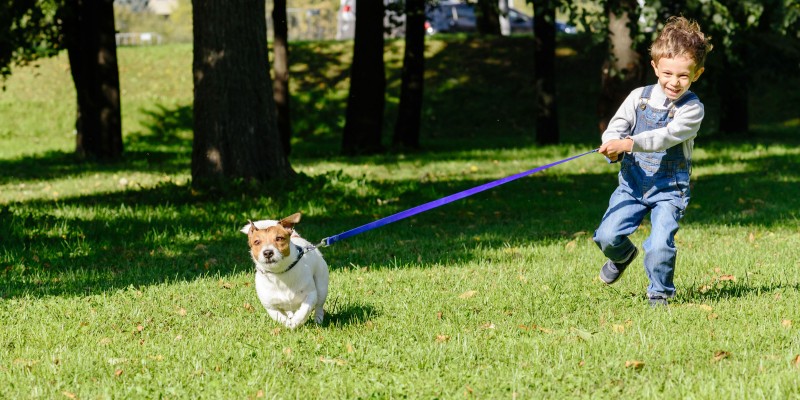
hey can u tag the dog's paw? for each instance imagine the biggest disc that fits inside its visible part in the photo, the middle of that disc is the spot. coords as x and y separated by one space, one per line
319 317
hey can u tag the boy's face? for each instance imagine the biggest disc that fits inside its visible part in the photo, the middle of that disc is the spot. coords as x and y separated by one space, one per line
675 75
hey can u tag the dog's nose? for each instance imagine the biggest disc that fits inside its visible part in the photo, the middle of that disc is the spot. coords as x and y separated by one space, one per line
268 253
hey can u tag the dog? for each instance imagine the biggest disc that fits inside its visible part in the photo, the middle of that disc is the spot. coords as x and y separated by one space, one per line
291 275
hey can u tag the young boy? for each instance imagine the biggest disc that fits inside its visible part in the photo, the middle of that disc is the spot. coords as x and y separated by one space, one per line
652 134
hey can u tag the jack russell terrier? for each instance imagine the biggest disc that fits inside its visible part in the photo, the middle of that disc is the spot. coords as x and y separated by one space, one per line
291 275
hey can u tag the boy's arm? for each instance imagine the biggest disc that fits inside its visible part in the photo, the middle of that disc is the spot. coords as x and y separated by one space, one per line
620 127
682 128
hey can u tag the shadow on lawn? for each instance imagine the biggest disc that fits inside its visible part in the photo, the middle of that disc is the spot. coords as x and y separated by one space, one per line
171 232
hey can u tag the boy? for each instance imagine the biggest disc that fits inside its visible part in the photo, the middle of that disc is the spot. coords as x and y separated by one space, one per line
652 134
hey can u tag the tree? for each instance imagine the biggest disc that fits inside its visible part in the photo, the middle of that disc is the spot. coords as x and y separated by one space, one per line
235 132
487 15
407 126
365 101
34 29
29 30
280 64
544 32
624 68
89 36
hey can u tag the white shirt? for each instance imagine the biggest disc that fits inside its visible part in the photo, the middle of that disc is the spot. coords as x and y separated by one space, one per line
681 130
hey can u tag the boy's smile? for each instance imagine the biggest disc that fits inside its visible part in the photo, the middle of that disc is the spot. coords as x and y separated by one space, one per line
676 75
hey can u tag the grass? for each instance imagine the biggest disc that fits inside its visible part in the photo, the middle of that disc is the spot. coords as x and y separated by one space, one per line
119 281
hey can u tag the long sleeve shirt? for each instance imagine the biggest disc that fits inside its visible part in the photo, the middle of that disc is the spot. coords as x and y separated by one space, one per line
681 130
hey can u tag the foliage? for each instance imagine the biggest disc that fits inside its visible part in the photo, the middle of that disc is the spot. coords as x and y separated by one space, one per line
29 30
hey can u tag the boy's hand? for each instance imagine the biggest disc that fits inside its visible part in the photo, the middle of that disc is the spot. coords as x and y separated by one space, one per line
613 148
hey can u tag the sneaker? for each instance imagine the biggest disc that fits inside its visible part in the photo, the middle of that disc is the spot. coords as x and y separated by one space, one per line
657 302
611 271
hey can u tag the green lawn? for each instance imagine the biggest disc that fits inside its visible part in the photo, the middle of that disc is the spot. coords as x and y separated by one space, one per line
120 281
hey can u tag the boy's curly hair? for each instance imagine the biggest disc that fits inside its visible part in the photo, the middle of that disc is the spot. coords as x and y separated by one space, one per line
681 37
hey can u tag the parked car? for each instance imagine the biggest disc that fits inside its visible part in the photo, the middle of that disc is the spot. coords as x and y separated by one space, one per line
455 16
394 19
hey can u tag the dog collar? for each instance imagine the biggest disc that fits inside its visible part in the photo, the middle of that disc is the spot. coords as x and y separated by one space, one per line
300 254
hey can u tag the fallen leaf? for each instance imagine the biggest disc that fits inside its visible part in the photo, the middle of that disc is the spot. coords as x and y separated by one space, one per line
69 394
712 316
721 355
337 361
276 331
582 363
706 307
260 394
796 361
582 334
751 238
618 328
118 372
787 323
182 312
350 348
727 278
439 315
287 351
635 364
487 325
442 338
249 307
468 294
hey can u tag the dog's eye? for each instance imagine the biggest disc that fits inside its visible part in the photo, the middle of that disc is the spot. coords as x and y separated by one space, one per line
279 238
256 242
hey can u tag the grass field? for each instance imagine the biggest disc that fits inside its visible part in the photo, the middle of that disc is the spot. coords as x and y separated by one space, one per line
120 281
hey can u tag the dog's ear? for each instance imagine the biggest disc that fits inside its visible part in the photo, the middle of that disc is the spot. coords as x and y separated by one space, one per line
290 221
251 227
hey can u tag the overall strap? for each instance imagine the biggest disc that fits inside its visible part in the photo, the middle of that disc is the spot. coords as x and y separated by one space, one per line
648 90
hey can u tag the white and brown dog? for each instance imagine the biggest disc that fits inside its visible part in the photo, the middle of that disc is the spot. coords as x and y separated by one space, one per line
291 275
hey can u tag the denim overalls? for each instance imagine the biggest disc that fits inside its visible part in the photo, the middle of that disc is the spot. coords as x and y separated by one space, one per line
649 182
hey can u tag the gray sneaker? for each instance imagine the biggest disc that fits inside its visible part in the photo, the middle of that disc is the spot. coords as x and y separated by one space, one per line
611 271
657 302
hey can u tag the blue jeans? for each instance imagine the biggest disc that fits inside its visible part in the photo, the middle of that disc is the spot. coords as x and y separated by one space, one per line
661 188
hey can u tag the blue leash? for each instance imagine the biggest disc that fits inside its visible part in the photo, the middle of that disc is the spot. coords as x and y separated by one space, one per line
440 202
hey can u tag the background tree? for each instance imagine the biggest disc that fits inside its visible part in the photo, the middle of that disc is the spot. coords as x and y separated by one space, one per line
41 28
545 108
235 132
409 113
750 38
487 15
29 30
89 37
280 65
625 67
365 101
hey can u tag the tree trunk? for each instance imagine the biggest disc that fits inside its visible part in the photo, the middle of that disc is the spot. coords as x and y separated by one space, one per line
406 130
365 102
92 51
733 108
235 132
544 31
623 69
281 67
487 17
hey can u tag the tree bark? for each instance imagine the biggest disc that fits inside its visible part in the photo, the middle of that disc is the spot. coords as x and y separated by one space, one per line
623 69
235 129
280 65
365 101
487 17
409 115
546 110
91 47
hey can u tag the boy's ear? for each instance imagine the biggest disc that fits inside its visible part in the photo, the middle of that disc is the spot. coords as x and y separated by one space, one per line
698 73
